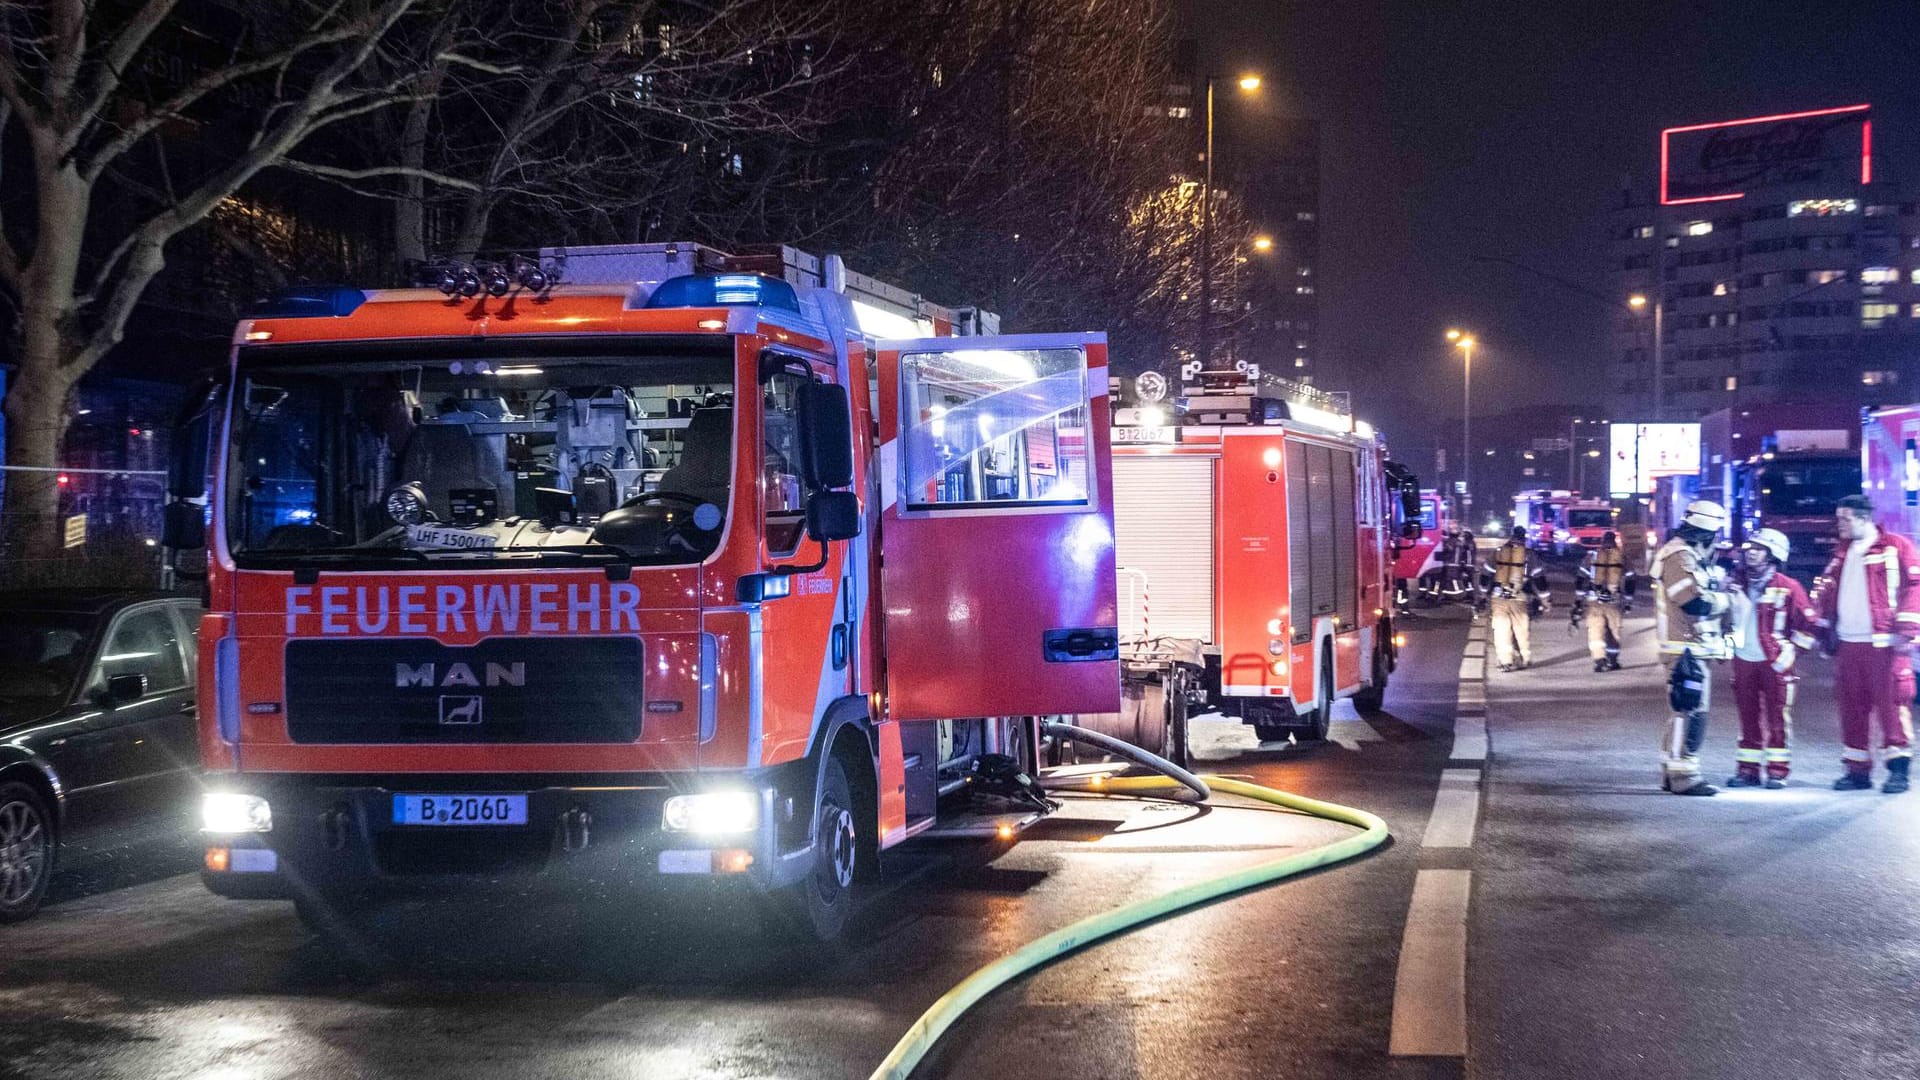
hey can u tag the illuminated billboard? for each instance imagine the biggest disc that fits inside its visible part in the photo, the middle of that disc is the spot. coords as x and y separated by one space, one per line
1640 453
1715 162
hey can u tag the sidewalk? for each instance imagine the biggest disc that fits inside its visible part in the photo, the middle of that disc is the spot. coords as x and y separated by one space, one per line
1619 931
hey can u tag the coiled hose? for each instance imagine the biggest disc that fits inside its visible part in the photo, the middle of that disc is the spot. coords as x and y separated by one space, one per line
942 1014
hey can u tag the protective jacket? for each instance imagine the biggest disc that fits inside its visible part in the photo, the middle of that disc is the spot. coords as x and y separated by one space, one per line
1893 589
1686 608
1511 573
1783 616
1605 575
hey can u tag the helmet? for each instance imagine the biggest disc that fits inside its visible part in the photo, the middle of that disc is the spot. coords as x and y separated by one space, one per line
1705 515
1773 540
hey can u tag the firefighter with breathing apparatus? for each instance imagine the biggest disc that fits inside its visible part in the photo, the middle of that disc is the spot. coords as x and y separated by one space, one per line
1516 590
1603 592
1772 623
1689 604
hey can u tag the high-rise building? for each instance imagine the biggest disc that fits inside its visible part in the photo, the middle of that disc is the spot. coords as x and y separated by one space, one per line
1275 165
1776 265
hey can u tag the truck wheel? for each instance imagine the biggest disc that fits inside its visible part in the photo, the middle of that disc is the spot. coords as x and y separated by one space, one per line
1175 748
1371 699
818 906
1313 726
26 851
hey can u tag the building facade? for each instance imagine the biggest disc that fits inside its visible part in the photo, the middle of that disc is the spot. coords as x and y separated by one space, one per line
1789 274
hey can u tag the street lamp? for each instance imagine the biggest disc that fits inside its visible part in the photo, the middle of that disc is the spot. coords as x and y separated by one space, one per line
1263 243
1464 342
1248 84
1638 302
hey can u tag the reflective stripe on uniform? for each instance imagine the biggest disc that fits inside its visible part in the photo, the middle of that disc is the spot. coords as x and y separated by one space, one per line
1785 660
1802 639
1779 754
1748 757
1854 753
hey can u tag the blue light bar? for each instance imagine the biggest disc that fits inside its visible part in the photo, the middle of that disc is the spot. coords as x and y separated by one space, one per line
309 302
724 290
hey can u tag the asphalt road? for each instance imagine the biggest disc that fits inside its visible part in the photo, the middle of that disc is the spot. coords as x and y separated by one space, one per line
156 979
1619 931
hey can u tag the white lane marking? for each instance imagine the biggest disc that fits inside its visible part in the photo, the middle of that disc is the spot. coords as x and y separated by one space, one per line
1456 807
1473 669
1476 649
1430 987
1469 738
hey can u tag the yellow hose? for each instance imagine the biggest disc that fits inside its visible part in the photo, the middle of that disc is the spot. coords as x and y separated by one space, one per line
941 1015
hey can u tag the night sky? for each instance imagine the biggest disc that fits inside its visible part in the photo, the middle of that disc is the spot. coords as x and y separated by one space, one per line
1454 129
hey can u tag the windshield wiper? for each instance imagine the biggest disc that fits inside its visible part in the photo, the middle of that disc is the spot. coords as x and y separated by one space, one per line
335 554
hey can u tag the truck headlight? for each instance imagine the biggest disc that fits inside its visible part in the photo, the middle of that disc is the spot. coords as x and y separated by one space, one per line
712 812
230 812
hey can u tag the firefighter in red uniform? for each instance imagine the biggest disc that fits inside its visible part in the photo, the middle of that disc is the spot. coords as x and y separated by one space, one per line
1867 606
1772 624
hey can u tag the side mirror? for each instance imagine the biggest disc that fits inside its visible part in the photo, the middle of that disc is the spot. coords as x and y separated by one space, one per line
125 688
833 515
826 435
183 525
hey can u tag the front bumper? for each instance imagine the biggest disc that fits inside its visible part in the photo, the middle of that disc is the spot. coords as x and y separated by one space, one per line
335 837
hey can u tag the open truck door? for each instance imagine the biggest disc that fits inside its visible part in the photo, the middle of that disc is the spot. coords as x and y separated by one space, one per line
997 580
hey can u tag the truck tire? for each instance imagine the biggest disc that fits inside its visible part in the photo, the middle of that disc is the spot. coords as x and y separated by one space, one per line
1372 698
1313 726
27 845
1271 723
817 907
1175 746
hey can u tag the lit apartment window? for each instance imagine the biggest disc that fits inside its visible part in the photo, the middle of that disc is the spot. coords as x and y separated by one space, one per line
1879 275
1823 277
1699 228
1720 288
1304 271
1179 112
1303 290
1733 383
1879 378
1913 276
1299 361
1643 232
1874 314
1304 215
1822 207
1913 311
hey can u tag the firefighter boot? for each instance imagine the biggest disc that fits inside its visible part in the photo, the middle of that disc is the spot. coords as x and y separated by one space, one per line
1600 666
1747 776
1896 781
1853 781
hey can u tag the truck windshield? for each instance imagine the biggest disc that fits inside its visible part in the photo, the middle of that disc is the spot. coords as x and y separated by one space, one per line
1806 489
354 458
1589 519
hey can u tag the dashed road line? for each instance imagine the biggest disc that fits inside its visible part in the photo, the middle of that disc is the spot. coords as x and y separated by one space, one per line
1456 809
1430 988
1470 738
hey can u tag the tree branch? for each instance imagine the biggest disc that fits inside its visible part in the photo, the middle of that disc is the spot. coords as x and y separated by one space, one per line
376 172
113 65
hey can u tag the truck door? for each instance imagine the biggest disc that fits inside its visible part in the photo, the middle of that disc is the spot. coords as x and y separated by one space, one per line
996 535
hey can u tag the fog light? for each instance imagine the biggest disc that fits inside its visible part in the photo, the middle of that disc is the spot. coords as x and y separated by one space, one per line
732 861
217 859
1399 641
231 812
1279 667
712 812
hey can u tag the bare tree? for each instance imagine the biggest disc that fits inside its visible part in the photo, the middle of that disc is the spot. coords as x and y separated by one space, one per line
90 93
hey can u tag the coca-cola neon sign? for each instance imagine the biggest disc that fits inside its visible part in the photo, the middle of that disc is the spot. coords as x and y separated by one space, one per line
1721 161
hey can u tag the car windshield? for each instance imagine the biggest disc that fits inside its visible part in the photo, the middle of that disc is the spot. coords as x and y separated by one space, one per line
1808 489
354 458
41 654
1589 519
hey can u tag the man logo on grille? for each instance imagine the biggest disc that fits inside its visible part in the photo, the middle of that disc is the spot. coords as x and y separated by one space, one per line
460 708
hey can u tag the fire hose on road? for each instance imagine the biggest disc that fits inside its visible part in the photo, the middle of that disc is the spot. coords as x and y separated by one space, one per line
942 1014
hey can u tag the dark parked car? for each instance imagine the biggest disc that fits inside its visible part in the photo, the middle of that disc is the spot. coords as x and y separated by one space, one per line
97 727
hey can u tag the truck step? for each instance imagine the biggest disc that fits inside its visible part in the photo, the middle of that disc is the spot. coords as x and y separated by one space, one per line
979 825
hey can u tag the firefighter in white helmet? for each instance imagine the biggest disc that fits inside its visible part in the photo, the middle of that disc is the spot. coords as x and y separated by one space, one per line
1513 585
1689 603
1772 623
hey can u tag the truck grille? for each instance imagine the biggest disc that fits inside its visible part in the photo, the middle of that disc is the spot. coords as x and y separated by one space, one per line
505 690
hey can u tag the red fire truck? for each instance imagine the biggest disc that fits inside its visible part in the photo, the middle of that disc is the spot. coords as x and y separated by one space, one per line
668 571
1256 538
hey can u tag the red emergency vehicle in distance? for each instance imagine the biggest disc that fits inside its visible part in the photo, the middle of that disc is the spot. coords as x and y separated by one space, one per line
516 584
1587 520
1255 529
1417 564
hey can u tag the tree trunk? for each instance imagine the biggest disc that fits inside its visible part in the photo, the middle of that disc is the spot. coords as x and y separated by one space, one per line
37 418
